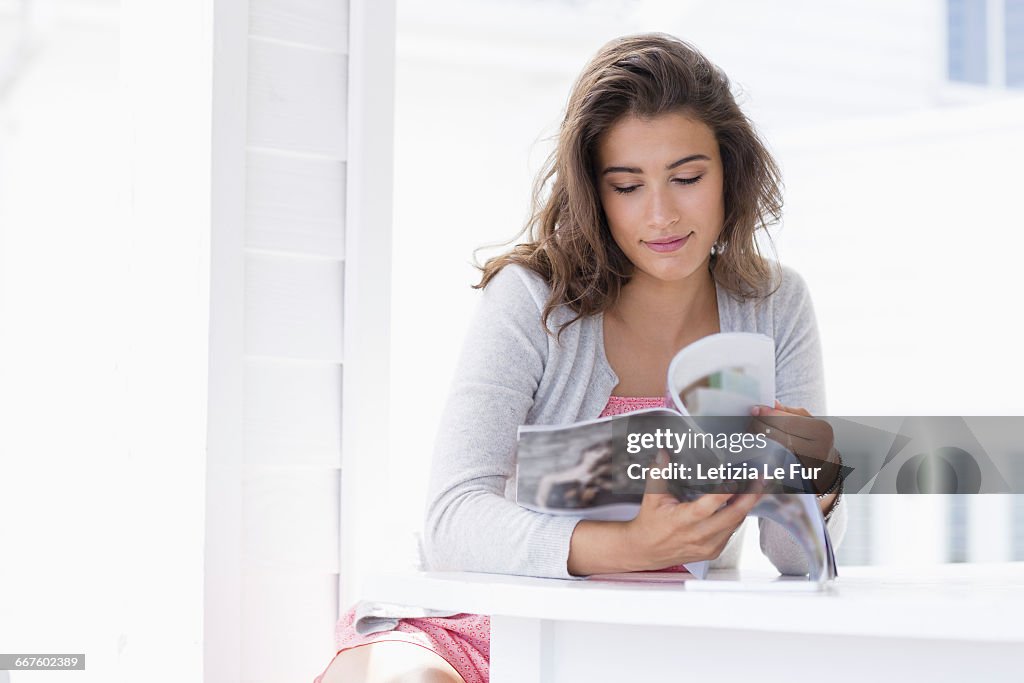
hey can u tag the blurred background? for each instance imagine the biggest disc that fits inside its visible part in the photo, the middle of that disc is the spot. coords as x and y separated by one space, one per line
63 255
899 128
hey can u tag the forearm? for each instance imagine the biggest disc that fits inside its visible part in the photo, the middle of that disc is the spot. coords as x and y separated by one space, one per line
480 531
599 548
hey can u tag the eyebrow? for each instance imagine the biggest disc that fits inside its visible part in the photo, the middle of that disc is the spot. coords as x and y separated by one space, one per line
674 164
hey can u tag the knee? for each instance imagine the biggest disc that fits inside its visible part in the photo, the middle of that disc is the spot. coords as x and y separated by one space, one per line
390 662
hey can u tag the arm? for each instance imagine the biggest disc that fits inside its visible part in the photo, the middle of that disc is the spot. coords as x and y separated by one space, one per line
470 525
799 382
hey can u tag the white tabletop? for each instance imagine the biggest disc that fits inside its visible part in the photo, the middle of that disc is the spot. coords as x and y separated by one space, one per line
975 602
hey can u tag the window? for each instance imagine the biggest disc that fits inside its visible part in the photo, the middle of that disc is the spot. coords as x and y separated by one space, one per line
1013 20
985 42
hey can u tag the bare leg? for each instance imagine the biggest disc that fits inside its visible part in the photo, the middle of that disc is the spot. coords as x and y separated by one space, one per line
390 661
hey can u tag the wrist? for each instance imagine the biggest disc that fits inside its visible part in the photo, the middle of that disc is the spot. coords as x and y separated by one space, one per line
827 503
629 549
600 547
833 472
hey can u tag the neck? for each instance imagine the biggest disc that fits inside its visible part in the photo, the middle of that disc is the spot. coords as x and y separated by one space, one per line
668 311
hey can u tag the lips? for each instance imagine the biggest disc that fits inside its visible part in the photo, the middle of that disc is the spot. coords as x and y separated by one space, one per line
667 244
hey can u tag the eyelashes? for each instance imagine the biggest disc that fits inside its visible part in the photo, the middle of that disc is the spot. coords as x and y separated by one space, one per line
631 188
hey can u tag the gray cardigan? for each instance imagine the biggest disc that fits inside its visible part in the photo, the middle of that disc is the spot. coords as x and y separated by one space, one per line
511 372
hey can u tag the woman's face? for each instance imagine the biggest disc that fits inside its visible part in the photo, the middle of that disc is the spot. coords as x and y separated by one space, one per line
660 181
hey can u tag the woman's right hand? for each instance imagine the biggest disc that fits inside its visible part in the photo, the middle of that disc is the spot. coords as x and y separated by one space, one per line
664 533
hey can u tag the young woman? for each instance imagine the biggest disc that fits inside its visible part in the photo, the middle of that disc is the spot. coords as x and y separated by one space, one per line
642 242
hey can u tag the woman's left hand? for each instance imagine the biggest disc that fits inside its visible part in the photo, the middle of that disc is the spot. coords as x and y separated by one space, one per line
810 439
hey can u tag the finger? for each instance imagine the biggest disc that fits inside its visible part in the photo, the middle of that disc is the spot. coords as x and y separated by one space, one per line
656 500
795 426
753 494
801 426
780 411
791 409
747 501
783 433
657 486
780 417
706 506
728 524
732 515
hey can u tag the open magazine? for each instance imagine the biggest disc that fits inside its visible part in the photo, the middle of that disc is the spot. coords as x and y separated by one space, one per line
589 469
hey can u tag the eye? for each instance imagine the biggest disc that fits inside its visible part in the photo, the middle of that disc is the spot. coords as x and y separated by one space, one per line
624 190
687 181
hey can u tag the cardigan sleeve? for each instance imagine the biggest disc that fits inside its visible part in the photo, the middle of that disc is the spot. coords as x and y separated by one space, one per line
800 383
469 524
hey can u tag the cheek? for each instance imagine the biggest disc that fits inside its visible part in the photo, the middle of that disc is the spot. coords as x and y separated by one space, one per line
711 205
629 214
616 212
613 207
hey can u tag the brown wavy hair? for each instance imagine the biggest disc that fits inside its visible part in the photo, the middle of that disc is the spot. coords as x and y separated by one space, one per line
569 243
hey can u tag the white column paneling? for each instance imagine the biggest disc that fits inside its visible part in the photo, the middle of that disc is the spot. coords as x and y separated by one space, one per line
293 307
275 437
368 224
297 98
222 645
287 625
292 413
290 520
295 204
319 23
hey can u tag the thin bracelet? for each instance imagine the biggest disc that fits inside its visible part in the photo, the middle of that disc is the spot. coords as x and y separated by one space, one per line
839 477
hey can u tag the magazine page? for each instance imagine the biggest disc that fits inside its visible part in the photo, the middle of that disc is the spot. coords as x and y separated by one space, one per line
575 470
723 374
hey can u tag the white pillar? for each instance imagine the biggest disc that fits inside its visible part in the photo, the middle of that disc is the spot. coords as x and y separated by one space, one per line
365 399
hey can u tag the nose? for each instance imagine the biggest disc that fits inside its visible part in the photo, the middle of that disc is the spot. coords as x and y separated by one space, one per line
661 212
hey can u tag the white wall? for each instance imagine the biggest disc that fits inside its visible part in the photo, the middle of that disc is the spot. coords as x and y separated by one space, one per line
66 446
905 228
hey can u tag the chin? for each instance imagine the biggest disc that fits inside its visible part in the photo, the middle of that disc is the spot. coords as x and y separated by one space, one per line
673 273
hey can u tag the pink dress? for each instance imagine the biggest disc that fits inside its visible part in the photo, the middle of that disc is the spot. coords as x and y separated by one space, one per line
462 640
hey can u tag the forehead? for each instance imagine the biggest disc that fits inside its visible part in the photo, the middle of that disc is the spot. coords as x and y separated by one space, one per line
667 137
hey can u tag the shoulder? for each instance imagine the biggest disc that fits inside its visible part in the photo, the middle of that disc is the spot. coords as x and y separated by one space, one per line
790 294
787 297
522 293
787 311
798 359
519 287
